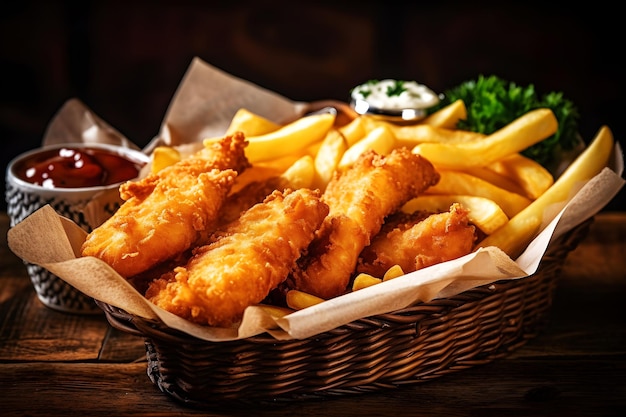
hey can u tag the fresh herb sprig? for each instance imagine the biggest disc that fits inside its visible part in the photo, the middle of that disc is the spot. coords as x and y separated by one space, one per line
396 89
492 103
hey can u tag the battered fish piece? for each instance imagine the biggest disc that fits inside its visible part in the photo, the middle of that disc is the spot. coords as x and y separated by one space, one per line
251 194
168 212
243 261
359 199
227 153
416 241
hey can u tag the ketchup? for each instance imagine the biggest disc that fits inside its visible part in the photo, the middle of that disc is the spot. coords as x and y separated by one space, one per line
76 167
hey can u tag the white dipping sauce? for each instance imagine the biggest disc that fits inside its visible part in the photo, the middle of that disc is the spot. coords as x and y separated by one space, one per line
394 95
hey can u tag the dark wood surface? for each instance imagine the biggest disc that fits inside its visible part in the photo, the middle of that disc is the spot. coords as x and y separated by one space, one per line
53 363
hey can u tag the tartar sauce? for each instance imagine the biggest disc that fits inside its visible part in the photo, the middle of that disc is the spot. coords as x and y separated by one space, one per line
394 96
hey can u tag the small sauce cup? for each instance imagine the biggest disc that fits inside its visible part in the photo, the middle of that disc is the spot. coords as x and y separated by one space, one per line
81 182
393 100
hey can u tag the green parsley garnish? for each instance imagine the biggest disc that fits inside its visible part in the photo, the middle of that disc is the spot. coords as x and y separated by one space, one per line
396 89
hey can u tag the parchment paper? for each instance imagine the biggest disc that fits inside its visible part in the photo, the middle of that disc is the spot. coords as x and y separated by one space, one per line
203 106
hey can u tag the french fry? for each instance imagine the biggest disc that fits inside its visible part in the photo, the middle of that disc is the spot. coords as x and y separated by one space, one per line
457 182
380 140
289 139
354 131
280 164
289 164
314 148
328 156
514 236
299 300
302 173
253 174
447 117
363 281
370 123
497 179
393 272
250 124
297 171
525 131
483 212
164 156
531 176
414 134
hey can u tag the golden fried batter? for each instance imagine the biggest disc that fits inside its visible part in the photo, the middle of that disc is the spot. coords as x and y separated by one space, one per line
166 213
251 194
416 241
243 261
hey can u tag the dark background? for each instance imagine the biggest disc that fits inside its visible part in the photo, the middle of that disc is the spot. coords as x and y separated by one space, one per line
125 59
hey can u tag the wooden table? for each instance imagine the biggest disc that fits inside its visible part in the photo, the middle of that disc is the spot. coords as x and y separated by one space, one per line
53 363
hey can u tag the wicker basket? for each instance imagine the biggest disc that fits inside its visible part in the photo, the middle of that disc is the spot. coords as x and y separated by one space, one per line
408 346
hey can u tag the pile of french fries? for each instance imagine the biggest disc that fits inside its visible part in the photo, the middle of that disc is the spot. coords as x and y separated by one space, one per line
505 192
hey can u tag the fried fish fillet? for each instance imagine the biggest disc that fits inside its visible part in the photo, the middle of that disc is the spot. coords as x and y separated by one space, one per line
170 211
359 199
243 261
418 240
249 195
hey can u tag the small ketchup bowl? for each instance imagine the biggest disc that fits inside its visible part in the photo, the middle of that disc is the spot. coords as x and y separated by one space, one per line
81 182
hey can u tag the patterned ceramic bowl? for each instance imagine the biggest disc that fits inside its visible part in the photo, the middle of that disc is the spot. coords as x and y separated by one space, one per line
81 182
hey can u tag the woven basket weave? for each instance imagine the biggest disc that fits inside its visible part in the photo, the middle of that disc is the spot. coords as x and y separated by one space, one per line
408 346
